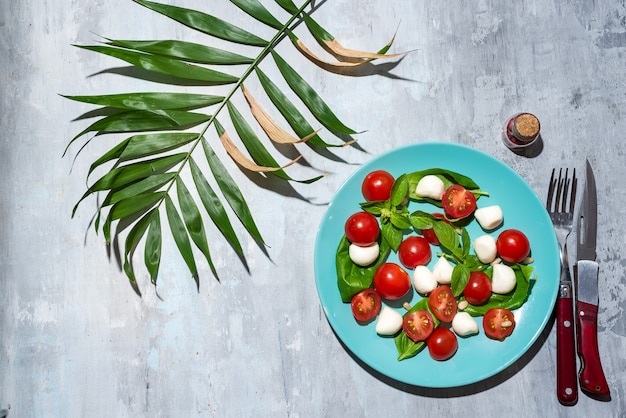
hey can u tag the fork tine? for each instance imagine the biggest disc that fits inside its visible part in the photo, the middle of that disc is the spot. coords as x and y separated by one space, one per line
559 190
565 191
550 192
572 200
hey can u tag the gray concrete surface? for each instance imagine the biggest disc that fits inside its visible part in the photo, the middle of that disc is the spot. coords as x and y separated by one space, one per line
76 341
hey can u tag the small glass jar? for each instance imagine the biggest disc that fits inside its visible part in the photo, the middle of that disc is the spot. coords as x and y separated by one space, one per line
521 130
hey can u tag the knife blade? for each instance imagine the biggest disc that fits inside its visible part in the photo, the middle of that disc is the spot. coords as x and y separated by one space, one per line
591 376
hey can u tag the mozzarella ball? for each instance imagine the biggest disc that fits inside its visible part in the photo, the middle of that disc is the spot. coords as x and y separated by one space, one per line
489 217
424 280
364 256
389 321
485 248
463 324
503 279
443 271
430 186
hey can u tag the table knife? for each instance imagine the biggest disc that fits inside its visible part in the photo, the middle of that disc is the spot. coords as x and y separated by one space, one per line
591 375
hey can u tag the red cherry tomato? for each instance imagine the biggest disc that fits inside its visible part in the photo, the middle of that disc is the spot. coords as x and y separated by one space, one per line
362 229
391 281
512 246
377 185
365 305
478 288
498 323
458 202
418 325
442 303
414 251
442 344
429 233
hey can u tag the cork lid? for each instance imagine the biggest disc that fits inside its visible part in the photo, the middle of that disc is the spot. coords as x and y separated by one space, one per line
526 127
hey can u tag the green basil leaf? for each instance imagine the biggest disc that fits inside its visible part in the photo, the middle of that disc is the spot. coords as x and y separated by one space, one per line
460 277
399 190
447 236
352 278
406 347
400 222
448 177
465 242
392 235
205 23
376 208
421 220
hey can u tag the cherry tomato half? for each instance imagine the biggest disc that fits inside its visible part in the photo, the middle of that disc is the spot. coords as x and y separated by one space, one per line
377 185
442 344
362 229
512 246
391 281
442 303
418 325
458 202
498 323
478 288
414 251
365 305
429 233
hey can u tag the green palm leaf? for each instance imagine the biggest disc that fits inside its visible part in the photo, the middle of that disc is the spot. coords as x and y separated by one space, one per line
152 250
145 169
167 66
205 23
151 101
186 51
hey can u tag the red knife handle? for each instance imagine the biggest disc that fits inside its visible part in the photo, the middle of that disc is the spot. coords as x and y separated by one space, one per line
591 375
566 383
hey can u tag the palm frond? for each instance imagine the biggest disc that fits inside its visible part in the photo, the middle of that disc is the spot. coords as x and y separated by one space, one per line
145 181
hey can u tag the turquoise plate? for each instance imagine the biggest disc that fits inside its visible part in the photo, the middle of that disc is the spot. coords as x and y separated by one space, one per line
478 357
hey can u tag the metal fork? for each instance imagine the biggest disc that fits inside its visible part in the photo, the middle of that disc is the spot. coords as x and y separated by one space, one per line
562 212
562 215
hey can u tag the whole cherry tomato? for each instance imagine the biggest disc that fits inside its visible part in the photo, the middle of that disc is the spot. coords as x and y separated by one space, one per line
362 229
414 251
377 185
512 246
391 281
478 288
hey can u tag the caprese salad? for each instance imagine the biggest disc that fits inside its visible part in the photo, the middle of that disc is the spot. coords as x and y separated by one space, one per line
488 276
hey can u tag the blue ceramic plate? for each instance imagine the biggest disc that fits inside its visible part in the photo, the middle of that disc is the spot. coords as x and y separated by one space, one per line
478 357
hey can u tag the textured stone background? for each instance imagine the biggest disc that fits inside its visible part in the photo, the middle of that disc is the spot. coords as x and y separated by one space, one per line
75 341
